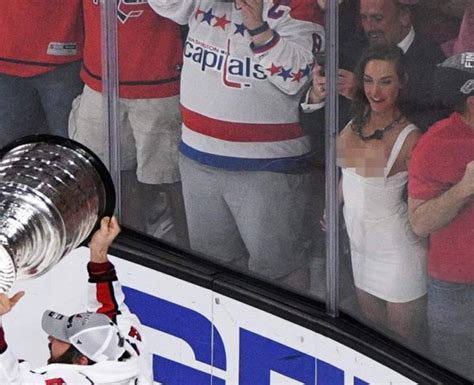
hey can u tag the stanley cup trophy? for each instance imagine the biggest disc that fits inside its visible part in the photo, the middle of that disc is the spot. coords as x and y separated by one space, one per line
53 193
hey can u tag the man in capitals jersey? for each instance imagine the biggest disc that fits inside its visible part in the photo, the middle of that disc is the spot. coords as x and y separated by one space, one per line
244 166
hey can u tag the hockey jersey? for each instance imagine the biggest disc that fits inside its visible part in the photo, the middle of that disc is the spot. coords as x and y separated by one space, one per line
240 102
105 296
150 52
38 36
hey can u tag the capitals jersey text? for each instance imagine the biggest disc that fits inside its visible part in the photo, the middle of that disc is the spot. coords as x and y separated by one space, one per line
240 102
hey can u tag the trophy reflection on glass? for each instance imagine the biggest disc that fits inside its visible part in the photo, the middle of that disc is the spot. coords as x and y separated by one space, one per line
53 192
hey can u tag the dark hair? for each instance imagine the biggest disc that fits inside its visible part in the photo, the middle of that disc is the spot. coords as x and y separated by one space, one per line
402 7
447 87
125 356
390 53
70 356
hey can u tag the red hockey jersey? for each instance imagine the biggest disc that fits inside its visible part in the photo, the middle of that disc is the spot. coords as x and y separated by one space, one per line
38 36
150 51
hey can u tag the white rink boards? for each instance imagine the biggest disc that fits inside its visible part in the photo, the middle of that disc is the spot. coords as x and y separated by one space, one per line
197 336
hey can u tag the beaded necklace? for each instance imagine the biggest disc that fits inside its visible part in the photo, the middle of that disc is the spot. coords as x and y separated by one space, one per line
379 133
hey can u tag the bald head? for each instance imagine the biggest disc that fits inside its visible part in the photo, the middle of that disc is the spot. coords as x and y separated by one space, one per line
384 21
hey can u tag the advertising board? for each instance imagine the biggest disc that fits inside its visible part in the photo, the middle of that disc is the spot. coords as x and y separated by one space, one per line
197 336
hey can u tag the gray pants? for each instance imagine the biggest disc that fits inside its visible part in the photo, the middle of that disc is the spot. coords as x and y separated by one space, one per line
265 219
451 321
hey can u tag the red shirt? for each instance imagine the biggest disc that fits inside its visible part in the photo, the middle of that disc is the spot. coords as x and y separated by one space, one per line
150 51
38 36
439 162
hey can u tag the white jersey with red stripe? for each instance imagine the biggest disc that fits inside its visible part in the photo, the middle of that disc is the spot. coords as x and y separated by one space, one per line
105 296
240 102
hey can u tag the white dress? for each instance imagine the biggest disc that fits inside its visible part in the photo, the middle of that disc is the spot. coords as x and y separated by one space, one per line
388 259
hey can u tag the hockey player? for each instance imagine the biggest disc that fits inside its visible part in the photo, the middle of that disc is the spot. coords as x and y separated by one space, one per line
100 346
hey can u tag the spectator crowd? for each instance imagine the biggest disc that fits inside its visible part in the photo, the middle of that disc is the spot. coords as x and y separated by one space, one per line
222 140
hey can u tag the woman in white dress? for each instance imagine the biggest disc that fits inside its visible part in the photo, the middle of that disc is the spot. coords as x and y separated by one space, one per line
388 259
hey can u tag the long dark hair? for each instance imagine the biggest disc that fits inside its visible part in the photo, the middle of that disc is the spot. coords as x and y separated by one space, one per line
390 53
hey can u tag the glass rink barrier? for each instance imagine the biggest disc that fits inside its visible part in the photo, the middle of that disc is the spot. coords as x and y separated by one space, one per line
294 181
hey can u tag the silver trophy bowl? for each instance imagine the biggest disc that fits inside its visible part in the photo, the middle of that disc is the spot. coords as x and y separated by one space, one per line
53 193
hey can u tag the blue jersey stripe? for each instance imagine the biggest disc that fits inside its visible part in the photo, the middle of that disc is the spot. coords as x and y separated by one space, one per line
291 165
